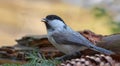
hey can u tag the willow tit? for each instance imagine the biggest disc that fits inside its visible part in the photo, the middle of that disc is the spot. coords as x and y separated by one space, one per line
67 40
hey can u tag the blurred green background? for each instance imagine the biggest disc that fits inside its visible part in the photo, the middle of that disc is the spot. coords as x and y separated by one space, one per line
23 17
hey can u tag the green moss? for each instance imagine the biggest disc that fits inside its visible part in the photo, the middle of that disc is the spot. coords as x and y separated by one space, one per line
36 60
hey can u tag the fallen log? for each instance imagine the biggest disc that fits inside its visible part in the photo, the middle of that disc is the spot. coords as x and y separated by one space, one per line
29 43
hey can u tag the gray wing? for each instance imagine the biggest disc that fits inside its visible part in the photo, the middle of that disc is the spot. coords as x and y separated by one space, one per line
70 38
77 39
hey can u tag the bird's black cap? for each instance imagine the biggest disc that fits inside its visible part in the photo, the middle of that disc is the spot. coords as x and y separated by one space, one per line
52 17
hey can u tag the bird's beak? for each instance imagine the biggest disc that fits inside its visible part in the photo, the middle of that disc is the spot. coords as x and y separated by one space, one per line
44 20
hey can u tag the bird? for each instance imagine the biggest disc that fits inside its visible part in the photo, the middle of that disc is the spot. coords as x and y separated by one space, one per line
66 40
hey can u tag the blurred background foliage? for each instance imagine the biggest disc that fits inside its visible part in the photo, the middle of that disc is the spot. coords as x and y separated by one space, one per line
23 17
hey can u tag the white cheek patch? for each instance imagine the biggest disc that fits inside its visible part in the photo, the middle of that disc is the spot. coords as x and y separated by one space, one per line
56 23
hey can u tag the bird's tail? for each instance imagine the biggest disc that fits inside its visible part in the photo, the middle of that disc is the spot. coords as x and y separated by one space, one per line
102 50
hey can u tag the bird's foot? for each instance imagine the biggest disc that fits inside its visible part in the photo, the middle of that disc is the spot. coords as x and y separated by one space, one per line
69 56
